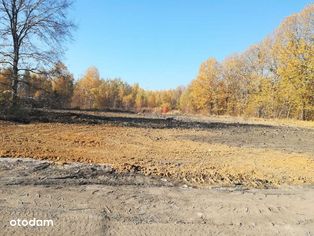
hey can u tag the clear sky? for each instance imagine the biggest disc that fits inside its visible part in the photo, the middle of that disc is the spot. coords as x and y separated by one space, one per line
161 43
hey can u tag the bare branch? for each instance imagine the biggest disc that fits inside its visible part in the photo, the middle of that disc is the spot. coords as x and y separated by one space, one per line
32 33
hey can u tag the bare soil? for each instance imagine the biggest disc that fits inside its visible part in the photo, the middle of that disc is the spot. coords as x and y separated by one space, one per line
84 199
127 174
197 153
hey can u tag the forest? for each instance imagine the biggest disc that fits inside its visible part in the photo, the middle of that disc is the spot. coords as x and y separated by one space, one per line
271 79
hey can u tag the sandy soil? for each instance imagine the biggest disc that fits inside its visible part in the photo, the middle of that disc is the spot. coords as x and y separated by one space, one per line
92 200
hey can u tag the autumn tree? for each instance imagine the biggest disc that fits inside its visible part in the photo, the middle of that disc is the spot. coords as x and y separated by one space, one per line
294 47
5 76
272 79
113 94
36 89
62 86
87 89
5 88
202 88
185 103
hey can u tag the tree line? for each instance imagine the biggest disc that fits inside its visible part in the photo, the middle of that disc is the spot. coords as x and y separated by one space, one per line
58 89
91 92
272 79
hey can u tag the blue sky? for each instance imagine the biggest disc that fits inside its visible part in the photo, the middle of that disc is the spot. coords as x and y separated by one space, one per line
161 43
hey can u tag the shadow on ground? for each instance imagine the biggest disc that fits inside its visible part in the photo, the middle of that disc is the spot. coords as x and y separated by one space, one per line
72 117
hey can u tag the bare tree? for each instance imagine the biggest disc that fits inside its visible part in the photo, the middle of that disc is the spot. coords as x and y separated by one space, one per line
32 34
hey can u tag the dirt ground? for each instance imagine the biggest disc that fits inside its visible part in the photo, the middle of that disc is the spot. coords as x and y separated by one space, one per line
84 199
129 174
197 153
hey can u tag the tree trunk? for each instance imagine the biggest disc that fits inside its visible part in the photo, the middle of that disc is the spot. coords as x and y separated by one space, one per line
288 112
16 47
14 85
303 112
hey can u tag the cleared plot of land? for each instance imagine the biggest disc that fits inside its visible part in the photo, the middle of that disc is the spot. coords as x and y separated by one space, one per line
118 199
84 199
197 153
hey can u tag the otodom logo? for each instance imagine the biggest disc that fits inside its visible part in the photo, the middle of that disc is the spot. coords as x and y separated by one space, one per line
31 223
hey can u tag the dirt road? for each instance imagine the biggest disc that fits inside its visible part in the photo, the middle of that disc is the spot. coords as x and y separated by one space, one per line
84 199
